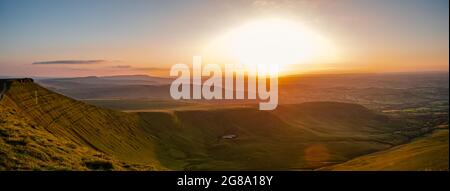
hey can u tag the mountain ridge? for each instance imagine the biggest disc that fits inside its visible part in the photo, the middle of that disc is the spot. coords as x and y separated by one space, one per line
299 136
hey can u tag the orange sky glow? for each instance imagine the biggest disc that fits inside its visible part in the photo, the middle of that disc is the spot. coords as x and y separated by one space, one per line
148 38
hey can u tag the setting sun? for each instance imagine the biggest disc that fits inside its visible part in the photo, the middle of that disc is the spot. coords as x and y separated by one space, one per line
273 42
276 42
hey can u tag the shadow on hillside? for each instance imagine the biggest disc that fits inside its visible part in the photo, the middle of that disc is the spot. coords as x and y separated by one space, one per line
262 140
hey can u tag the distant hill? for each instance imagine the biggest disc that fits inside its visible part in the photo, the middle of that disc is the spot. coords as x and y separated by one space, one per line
375 91
107 87
111 80
40 129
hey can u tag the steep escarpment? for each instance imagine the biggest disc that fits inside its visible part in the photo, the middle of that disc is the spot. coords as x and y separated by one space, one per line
25 145
41 129
110 132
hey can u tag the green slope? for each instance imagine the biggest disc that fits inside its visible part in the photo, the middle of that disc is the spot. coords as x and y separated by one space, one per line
25 145
293 137
425 153
270 140
113 133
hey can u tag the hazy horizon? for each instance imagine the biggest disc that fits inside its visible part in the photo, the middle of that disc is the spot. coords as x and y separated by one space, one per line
299 74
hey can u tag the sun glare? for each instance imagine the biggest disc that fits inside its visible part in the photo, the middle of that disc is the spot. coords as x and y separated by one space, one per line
274 41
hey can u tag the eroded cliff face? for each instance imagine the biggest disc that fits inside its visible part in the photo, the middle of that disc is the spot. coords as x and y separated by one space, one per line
44 130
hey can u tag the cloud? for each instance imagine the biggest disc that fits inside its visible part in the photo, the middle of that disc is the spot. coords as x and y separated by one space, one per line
70 62
121 66
78 69
148 69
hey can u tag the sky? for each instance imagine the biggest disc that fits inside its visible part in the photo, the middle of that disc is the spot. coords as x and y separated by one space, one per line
113 37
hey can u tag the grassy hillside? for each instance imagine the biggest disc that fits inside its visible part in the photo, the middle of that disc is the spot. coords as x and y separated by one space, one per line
111 132
425 153
25 145
293 137
315 137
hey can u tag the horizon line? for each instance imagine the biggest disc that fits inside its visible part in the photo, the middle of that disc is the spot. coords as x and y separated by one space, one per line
281 76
